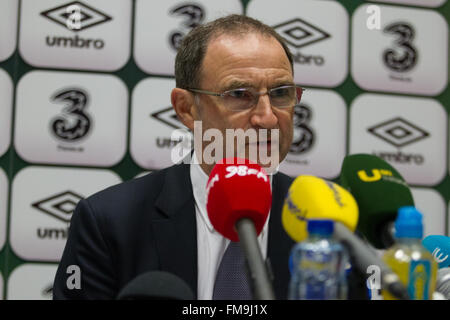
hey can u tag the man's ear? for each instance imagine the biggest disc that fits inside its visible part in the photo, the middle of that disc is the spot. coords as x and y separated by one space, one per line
183 103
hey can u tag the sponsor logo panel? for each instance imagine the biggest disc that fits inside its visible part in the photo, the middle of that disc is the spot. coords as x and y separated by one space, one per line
316 33
409 133
432 205
92 35
408 54
31 281
40 217
423 3
152 122
161 25
319 141
8 27
6 95
71 118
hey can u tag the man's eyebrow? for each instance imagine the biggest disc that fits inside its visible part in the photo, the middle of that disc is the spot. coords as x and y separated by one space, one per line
237 84
280 83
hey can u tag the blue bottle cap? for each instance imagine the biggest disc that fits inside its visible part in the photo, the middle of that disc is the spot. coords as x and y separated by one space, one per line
321 227
408 223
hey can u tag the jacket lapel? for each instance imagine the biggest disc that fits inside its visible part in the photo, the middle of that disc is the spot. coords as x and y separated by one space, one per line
175 229
280 244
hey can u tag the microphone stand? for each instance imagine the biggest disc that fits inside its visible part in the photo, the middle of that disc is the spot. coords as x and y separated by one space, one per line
261 284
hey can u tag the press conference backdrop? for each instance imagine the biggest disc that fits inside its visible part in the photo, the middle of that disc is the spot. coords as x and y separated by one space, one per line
376 73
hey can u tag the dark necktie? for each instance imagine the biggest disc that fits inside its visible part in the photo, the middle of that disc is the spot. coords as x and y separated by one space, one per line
232 281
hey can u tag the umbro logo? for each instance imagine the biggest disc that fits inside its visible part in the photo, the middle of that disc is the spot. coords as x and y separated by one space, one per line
60 205
168 117
398 132
76 16
299 33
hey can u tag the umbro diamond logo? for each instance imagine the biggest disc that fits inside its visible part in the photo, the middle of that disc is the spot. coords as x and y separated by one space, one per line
76 16
398 132
168 117
60 205
299 33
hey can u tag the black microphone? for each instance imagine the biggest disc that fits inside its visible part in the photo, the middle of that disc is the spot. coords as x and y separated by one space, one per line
156 285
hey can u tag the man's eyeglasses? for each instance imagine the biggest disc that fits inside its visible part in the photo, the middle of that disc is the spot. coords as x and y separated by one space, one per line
246 98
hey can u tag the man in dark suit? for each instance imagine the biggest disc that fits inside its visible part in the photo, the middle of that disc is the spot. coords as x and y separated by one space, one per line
146 224
232 73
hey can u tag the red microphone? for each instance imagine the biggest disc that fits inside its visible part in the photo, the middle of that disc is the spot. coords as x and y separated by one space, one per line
237 188
239 198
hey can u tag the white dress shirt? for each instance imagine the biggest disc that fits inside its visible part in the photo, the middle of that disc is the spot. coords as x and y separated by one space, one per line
211 245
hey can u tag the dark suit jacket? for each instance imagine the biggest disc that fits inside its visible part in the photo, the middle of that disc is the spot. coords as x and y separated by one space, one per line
149 224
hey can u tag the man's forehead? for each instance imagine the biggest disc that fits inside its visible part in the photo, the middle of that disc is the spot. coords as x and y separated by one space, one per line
236 42
231 37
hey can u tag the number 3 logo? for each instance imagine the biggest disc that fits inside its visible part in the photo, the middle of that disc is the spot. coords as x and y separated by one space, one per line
73 123
407 59
192 14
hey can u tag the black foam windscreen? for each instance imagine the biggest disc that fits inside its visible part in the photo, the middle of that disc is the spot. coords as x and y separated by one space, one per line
156 285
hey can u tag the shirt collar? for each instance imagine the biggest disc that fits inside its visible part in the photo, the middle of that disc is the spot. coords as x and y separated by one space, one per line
199 180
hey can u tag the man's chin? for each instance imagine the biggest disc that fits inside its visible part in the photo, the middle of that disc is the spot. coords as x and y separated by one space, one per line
270 161
270 170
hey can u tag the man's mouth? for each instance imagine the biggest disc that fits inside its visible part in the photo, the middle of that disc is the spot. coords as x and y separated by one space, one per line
267 143
260 142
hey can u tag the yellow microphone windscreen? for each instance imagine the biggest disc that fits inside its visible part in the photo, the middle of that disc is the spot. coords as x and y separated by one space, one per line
311 197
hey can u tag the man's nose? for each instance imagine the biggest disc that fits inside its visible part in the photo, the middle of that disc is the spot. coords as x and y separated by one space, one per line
262 113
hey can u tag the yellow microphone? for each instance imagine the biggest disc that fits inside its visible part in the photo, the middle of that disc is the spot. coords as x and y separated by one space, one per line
311 197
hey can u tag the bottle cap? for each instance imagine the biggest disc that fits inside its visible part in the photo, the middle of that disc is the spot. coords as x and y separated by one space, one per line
320 226
408 223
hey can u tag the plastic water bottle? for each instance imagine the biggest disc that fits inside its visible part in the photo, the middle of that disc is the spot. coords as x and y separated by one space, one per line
318 265
412 262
